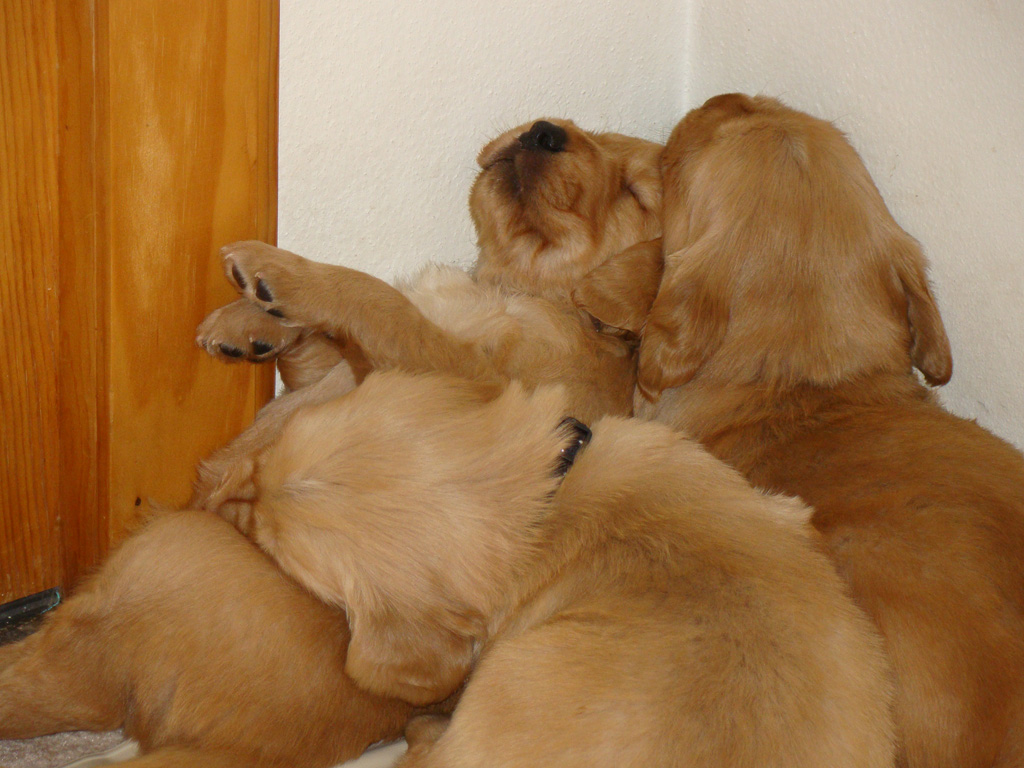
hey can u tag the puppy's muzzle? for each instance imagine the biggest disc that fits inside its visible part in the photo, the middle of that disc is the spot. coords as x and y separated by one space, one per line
579 437
544 136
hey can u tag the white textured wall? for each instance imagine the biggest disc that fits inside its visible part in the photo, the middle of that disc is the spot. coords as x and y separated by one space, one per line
385 103
931 93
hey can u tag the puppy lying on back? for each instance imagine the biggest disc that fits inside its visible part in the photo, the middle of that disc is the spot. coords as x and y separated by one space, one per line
648 608
188 637
553 205
791 316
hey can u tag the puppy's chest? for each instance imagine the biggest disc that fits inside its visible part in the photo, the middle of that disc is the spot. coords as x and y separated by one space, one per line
489 317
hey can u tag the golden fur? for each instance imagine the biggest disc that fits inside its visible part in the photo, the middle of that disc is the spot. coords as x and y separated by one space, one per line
547 220
188 637
649 609
195 644
792 313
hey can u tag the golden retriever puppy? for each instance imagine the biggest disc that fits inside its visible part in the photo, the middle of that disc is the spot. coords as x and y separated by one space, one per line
791 316
631 601
195 644
191 639
552 205
555 207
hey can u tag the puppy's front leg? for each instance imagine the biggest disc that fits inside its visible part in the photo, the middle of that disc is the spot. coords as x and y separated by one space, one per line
242 331
342 302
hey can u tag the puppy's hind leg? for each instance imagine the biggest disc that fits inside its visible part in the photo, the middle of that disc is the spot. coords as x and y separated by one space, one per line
58 680
9 654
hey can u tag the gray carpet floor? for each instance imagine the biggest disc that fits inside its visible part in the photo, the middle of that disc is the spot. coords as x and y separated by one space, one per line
56 750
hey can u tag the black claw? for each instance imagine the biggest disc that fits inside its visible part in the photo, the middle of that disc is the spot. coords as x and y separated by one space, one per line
230 351
579 434
262 347
262 292
276 313
236 273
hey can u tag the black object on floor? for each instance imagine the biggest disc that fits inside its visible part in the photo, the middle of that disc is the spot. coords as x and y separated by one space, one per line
20 618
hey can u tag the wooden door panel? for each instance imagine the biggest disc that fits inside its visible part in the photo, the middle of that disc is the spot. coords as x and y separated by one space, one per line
82 380
193 173
30 550
138 136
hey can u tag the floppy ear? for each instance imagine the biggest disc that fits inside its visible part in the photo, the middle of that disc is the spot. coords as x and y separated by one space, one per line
640 168
643 177
420 660
619 293
685 327
929 345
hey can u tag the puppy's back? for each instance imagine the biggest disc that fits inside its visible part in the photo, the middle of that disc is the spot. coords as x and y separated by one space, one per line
700 626
924 515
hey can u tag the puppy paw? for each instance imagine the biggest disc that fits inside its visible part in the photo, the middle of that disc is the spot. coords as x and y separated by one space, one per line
271 278
243 331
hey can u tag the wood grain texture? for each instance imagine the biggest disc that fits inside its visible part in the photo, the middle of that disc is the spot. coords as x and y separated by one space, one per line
137 137
30 553
81 380
192 110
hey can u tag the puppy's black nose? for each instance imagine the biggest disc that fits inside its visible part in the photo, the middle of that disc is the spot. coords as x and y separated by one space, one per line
546 136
